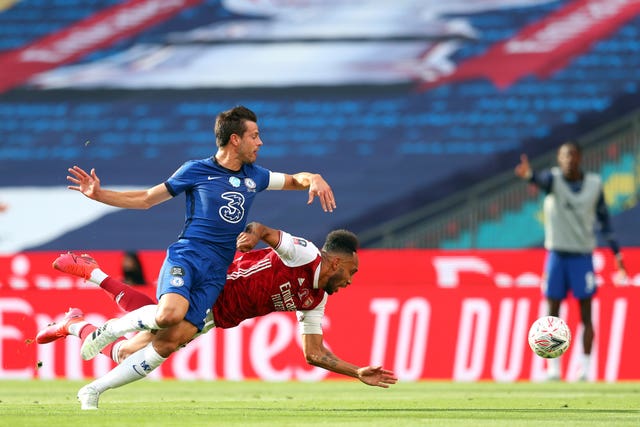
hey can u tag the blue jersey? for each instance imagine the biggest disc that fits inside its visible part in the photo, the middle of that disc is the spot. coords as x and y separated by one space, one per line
217 200
217 203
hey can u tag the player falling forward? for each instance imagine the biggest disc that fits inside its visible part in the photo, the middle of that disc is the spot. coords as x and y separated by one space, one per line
291 275
219 191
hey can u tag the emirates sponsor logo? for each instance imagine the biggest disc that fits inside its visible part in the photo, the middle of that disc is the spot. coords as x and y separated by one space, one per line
283 301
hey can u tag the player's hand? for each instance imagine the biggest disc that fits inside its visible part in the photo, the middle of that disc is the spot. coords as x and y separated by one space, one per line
321 189
620 277
87 184
523 169
246 241
376 376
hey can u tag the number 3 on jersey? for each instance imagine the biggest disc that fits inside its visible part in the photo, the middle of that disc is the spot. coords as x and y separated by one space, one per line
233 211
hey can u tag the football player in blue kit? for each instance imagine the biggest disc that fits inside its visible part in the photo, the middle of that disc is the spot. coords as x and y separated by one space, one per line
574 202
219 191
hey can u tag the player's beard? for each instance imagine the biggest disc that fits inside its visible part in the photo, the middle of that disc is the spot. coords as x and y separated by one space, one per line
332 284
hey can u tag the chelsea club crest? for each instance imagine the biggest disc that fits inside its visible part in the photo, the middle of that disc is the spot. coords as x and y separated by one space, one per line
250 184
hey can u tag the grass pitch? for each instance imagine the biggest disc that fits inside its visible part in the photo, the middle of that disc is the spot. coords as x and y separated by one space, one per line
328 403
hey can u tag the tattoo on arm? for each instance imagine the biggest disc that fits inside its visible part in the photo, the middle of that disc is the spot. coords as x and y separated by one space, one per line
329 360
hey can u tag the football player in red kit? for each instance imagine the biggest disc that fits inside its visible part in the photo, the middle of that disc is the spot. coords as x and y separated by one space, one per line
290 275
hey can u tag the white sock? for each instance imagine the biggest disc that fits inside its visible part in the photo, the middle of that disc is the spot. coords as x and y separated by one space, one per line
586 363
98 276
141 319
553 367
75 328
133 368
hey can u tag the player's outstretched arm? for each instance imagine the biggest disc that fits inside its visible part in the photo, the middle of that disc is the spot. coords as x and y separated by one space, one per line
317 186
89 185
253 233
317 354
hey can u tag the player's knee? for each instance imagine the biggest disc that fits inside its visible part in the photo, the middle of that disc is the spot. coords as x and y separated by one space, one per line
171 310
165 319
170 315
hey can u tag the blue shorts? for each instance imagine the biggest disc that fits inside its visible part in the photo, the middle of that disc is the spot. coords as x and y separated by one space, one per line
568 271
193 270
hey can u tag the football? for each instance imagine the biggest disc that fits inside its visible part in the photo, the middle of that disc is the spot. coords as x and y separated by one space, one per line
549 337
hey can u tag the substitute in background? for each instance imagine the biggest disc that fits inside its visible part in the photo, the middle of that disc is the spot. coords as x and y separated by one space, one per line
573 204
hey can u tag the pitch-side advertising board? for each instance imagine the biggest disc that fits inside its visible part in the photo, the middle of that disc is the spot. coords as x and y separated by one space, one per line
425 314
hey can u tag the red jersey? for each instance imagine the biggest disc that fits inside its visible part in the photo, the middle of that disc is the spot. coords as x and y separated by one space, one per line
267 280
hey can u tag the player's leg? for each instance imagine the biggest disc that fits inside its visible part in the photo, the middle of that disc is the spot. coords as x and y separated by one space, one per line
587 338
180 273
126 348
553 365
133 368
555 289
137 320
583 287
110 350
585 317
166 341
139 364
207 281
73 324
553 307
127 298
172 308
174 287
73 319
198 318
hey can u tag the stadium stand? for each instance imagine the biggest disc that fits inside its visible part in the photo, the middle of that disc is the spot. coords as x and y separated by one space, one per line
505 213
387 149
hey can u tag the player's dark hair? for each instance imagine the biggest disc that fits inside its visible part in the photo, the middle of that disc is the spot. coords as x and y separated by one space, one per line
341 241
232 121
572 143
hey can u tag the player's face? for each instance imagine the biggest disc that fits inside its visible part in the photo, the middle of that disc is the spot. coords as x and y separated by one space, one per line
345 267
250 143
569 160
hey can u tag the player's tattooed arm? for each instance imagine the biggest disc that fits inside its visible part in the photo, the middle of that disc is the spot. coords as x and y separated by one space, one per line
317 354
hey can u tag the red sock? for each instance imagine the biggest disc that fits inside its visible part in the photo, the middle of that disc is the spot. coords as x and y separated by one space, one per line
127 298
88 329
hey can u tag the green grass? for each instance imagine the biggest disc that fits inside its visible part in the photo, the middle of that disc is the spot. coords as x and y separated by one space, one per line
329 403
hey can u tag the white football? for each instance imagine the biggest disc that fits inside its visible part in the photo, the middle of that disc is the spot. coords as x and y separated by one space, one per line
549 337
